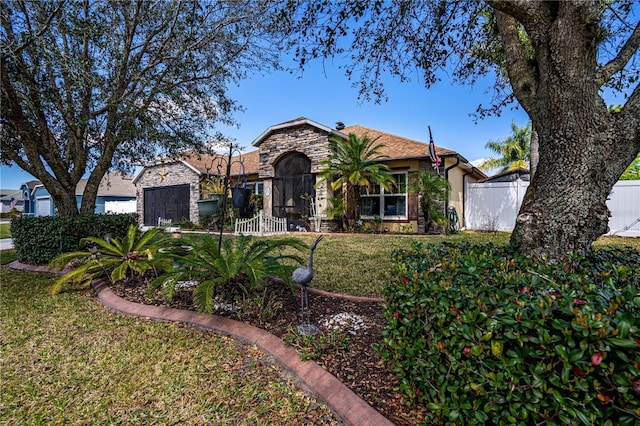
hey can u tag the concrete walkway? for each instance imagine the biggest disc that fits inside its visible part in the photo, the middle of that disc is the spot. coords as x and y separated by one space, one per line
344 403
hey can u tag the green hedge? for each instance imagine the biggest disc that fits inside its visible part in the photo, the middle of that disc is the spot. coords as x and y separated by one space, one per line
40 239
483 335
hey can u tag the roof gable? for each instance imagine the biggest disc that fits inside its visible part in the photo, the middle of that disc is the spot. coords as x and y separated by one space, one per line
293 123
164 161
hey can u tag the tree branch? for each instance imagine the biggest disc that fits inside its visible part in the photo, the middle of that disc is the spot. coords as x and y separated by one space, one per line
521 74
634 99
41 31
522 10
629 49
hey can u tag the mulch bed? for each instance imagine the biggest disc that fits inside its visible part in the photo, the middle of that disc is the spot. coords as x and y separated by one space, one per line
358 365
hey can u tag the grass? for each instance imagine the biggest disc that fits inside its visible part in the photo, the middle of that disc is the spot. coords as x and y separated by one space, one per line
67 360
356 264
5 230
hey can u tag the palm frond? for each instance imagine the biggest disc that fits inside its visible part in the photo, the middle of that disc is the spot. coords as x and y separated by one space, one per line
203 295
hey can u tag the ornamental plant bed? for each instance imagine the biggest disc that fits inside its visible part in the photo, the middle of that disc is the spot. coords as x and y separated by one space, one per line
345 346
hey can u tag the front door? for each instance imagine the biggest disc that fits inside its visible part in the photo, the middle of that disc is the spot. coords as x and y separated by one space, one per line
293 188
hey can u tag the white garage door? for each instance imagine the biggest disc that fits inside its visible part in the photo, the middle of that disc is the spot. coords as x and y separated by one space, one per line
43 207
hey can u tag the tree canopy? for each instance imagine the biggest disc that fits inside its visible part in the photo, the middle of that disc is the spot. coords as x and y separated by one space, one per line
93 85
633 171
558 61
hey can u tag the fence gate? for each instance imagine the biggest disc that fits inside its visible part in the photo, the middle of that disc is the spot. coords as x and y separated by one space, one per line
261 225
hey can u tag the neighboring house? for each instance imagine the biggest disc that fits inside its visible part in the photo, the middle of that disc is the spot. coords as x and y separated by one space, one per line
116 194
509 176
27 190
10 199
284 168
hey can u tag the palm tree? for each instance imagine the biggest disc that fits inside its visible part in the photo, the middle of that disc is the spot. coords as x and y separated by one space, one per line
336 210
355 163
116 258
513 151
241 265
434 190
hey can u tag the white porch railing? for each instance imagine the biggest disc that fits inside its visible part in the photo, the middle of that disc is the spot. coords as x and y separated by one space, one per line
261 225
315 218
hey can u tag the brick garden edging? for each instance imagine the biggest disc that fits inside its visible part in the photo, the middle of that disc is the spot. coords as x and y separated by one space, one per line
342 401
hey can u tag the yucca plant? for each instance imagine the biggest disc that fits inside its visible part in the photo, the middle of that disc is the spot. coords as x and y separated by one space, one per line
115 258
240 263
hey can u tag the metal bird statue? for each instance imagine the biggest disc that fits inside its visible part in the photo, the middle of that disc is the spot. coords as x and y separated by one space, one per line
303 276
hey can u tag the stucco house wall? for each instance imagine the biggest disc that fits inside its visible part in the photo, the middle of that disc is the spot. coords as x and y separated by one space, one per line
459 174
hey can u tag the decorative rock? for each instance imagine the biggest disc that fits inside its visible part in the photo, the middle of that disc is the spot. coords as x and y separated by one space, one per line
344 321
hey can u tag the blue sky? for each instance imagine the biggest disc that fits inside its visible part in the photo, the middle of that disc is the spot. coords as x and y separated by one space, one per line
323 94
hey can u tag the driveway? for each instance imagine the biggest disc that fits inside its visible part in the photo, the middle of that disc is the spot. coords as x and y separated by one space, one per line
6 243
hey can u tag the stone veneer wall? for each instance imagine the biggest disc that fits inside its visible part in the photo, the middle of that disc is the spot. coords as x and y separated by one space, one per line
176 173
305 139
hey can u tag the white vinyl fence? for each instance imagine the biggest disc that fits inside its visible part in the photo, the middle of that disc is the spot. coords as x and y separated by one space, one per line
493 206
120 206
261 225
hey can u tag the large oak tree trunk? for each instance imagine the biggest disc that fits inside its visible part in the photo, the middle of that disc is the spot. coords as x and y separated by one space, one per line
583 148
564 209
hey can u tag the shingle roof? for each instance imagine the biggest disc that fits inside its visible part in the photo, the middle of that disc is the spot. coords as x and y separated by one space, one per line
8 194
113 184
508 175
396 147
250 160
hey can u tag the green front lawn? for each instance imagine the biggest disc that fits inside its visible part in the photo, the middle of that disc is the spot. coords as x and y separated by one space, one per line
67 360
5 230
356 264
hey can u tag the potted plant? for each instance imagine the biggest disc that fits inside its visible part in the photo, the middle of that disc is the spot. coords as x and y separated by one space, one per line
211 195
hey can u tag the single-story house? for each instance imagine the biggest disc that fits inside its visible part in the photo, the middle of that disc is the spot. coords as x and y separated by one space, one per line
10 199
284 169
116 194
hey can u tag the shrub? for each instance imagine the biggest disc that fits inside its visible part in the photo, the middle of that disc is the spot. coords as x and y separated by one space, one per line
39 239
241 265
116 258
483 335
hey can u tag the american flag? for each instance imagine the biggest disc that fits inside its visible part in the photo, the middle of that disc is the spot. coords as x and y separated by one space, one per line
435 160
13 203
